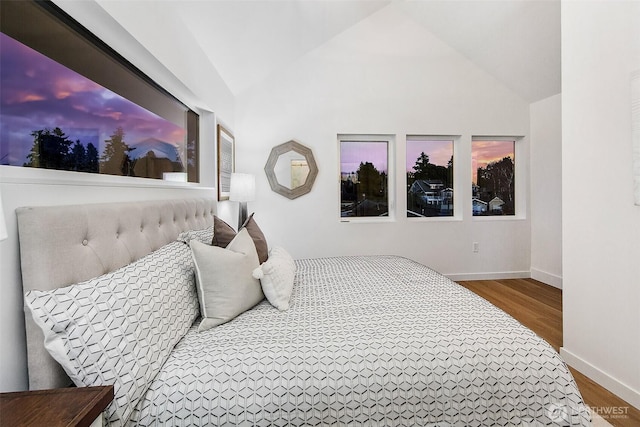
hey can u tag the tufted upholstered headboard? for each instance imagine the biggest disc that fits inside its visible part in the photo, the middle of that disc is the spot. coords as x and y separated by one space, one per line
62 245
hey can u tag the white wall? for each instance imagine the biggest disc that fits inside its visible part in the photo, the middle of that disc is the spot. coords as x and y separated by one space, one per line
601 225
170 63
385 75
546 190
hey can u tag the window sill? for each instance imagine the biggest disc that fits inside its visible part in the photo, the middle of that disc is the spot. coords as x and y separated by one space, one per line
435 219
367 220
25 175
499 218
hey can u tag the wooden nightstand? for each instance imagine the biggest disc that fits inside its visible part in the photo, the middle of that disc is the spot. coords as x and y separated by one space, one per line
81 406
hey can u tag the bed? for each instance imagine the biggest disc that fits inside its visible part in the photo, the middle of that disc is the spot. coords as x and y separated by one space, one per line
366 340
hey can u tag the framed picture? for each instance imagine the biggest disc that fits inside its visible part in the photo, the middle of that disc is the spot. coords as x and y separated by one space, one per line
226 162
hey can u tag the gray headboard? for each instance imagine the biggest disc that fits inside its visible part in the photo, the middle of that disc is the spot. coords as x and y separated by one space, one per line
62 245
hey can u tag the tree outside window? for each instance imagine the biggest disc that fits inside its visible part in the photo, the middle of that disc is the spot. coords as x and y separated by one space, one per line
493 175
364 183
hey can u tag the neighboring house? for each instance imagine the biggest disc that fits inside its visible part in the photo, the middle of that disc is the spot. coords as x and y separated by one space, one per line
351 176
447 195
475 190
446 209
429 191
495 204
479 206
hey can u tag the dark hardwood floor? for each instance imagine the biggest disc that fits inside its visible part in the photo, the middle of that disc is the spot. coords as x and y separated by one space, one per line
539 307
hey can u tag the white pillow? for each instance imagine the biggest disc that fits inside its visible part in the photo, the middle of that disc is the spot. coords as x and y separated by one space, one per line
224 282
119 328
276 276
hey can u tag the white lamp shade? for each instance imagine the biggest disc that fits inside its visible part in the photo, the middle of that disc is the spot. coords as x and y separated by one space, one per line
243 187
3 224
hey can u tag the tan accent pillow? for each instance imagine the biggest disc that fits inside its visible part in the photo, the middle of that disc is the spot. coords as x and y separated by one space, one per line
223 233
226 287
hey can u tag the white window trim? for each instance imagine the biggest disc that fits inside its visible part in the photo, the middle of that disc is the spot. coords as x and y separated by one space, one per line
37 176
521 160
390 139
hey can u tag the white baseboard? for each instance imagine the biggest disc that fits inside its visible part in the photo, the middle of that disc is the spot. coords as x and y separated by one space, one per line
598 421
490 276
612 384
548 278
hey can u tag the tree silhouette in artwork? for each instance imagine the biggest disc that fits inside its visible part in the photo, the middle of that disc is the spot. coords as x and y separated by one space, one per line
83 159
50 149
115 158
93 159
78 157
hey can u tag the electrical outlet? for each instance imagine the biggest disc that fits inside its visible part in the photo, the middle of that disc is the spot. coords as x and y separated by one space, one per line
476 247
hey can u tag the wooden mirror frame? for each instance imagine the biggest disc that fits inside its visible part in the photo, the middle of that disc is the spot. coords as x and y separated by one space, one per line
269 168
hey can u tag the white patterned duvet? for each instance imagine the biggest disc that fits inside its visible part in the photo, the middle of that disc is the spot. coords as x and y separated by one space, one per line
367 341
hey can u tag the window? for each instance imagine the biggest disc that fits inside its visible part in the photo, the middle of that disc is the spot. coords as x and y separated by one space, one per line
429 172
70 102
493 176
364 175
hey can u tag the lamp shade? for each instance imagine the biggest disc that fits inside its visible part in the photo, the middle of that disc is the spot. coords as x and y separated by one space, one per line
243 187
3 224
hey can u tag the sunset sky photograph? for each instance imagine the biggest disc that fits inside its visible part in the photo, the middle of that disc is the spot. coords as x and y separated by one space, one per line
39 93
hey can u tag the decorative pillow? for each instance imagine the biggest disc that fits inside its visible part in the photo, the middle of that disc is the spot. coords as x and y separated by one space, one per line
119 328
258 238
276 277
223 233
205 236
224 282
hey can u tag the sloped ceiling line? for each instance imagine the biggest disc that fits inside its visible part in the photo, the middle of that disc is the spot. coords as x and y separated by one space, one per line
516 42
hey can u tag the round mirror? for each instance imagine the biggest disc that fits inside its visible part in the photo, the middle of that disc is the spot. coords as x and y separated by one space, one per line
291 169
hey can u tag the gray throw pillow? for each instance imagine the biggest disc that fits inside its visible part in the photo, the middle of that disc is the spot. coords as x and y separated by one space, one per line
224 281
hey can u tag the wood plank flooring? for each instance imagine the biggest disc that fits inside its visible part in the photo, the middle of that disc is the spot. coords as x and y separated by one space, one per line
539 307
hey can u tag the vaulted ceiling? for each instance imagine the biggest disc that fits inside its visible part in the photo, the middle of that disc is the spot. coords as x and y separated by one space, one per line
515 41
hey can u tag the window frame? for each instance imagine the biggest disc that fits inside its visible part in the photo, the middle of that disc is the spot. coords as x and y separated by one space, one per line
390 139
458 196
